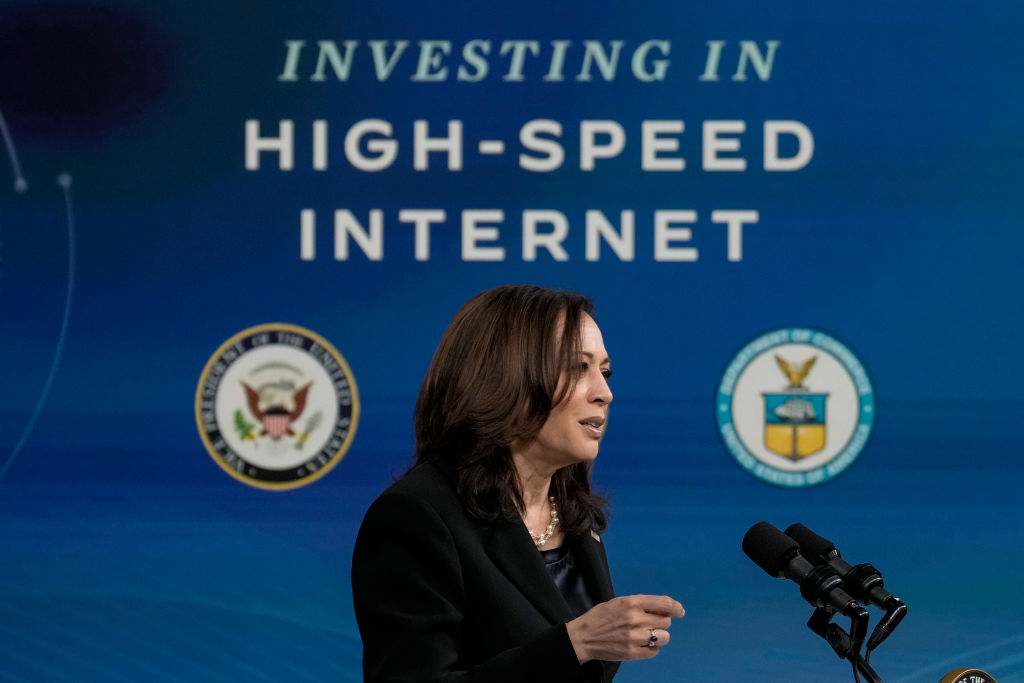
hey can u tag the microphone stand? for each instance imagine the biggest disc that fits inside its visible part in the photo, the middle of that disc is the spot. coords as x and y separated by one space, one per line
844 645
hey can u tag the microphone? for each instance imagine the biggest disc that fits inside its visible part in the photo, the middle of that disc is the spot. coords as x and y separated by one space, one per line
779 556
863 581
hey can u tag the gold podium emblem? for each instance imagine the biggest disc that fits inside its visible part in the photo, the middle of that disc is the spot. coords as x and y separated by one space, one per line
967 676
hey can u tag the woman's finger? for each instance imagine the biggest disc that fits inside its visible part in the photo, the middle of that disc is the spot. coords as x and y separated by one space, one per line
662 636
661 604
655 637
652 621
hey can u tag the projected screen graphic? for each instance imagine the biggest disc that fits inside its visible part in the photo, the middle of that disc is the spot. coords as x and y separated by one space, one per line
230 243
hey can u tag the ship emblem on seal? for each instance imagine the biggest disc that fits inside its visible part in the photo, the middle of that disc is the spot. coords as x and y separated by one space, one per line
794 419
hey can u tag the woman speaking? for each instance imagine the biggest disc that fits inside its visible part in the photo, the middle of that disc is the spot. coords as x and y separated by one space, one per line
483 562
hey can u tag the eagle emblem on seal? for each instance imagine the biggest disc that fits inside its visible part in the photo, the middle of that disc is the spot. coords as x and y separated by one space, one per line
276 406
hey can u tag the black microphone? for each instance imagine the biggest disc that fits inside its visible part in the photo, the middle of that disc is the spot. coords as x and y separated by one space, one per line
863 581
779 555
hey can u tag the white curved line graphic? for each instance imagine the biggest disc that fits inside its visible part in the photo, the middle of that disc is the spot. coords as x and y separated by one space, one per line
20 184
64 180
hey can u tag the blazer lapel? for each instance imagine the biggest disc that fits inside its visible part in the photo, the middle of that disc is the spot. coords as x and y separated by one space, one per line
512 550
592 564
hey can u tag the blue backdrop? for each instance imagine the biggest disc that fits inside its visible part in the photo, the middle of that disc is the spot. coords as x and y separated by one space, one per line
136 237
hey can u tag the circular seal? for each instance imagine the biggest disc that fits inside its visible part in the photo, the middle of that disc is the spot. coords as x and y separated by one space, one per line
967 676
277 406
795 407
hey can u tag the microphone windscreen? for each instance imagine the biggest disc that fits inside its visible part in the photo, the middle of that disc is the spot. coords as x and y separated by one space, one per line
811 544
769 548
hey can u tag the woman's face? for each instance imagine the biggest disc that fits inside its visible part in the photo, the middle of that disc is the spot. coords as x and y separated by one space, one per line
575 426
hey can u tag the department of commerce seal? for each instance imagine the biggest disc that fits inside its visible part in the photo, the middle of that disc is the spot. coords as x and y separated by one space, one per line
277 406
795 407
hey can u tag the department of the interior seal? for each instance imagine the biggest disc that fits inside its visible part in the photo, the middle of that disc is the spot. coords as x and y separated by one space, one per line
277 406
795 407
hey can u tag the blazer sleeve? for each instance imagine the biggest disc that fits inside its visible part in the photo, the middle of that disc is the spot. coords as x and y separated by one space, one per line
410 605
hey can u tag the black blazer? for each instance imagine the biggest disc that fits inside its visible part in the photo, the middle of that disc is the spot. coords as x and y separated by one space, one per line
441 596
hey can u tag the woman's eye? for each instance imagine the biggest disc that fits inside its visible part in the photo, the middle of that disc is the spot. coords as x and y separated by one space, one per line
584 367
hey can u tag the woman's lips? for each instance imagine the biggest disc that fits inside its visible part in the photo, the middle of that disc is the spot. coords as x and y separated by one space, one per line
593 426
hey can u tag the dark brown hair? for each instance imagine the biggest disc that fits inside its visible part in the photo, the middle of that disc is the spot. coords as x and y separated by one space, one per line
493 380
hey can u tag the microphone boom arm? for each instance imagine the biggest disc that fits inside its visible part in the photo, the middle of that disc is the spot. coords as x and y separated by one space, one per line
842 643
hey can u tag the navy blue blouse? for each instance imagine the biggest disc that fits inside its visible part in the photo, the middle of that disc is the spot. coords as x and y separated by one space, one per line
561 565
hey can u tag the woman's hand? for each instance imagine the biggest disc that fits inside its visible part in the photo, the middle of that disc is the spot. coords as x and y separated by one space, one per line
621 629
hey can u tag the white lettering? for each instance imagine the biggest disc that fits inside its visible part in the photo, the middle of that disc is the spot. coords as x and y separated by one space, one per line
283 144
559 48
595 54
382 64
431 55
749 51
590 150
734 221
805 145
660 65
518 49
621 243
371 243
551 241
329 53
472 53
423 144
651 144
307 234
385 149
553 151
422 218
481 236
713 144
476 227
291 60
320 145
711 63
665 234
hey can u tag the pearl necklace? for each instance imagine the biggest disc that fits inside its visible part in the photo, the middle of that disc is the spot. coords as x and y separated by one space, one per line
540 540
